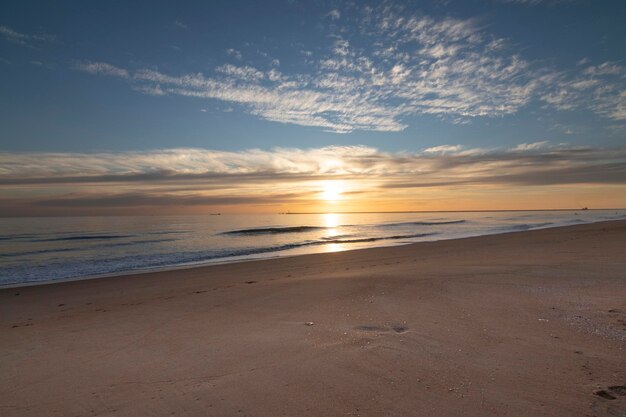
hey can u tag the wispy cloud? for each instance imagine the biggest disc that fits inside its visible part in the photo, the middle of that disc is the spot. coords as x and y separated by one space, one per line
187 178
101 68
234 53
600 88
180 24
334 14
413 65
534 146
443 149
448 161
418 65
24 39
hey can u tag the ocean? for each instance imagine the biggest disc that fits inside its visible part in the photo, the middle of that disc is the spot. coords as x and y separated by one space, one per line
34 250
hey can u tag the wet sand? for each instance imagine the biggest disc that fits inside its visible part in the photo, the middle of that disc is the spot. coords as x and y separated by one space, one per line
519 324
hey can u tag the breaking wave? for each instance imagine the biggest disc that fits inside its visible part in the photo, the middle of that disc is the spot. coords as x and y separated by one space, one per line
435 223
273 230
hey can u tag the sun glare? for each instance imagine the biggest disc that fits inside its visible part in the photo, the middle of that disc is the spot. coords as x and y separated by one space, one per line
332 190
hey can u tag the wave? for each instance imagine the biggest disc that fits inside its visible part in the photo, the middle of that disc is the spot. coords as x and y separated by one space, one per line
84 248
368 239
35 252
273 230
169 232
434 223
525 226
83 237
17 236
338 237
93 267
40 236
323 241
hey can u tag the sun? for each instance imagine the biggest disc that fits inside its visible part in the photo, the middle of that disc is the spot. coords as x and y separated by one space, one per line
331 191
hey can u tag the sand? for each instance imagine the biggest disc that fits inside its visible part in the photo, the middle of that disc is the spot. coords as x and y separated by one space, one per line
519 324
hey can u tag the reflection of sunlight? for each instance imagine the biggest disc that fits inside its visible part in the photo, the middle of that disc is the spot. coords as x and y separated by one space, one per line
334 247
331 191
331 222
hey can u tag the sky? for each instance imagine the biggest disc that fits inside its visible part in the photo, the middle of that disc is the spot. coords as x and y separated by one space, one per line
111 108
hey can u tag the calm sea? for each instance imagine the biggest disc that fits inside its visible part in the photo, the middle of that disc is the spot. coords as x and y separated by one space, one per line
48 249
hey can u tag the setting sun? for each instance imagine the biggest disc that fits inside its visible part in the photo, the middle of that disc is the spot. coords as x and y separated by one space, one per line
332 191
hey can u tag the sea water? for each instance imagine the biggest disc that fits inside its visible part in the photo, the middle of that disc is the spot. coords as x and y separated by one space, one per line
48 249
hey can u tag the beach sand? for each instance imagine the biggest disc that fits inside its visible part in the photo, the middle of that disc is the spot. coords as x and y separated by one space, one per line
519 324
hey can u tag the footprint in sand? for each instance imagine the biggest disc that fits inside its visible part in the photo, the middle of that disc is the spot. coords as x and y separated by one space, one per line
21 325
611 393
370 328
400 329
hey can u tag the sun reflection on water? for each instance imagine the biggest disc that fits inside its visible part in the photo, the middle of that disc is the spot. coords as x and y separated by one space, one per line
332 221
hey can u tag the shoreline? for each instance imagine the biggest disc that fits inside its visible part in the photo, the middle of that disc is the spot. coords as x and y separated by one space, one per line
505 325
277 255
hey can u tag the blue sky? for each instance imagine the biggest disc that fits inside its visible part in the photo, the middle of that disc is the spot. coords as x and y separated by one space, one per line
245 106
110 76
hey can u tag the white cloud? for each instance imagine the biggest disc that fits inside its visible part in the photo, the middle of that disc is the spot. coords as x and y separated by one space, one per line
152 90
442 149
607 68
234 53
413 65
180 25
531 146
600 88
101 68
23 39
244 73
453 71
334 14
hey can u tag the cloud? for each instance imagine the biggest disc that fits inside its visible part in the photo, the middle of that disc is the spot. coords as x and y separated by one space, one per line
181 179
152 90
243 73
413 65
443 149
180 25
334 14
601 89
234 53
23 39
101 68
531 146
361 161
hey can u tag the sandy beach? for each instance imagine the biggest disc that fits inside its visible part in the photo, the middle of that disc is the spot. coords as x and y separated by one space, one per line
518 324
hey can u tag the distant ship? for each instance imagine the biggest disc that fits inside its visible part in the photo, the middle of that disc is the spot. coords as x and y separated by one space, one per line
585 208
216 214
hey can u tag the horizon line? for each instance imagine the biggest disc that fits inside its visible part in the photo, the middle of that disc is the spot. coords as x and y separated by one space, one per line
320 212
